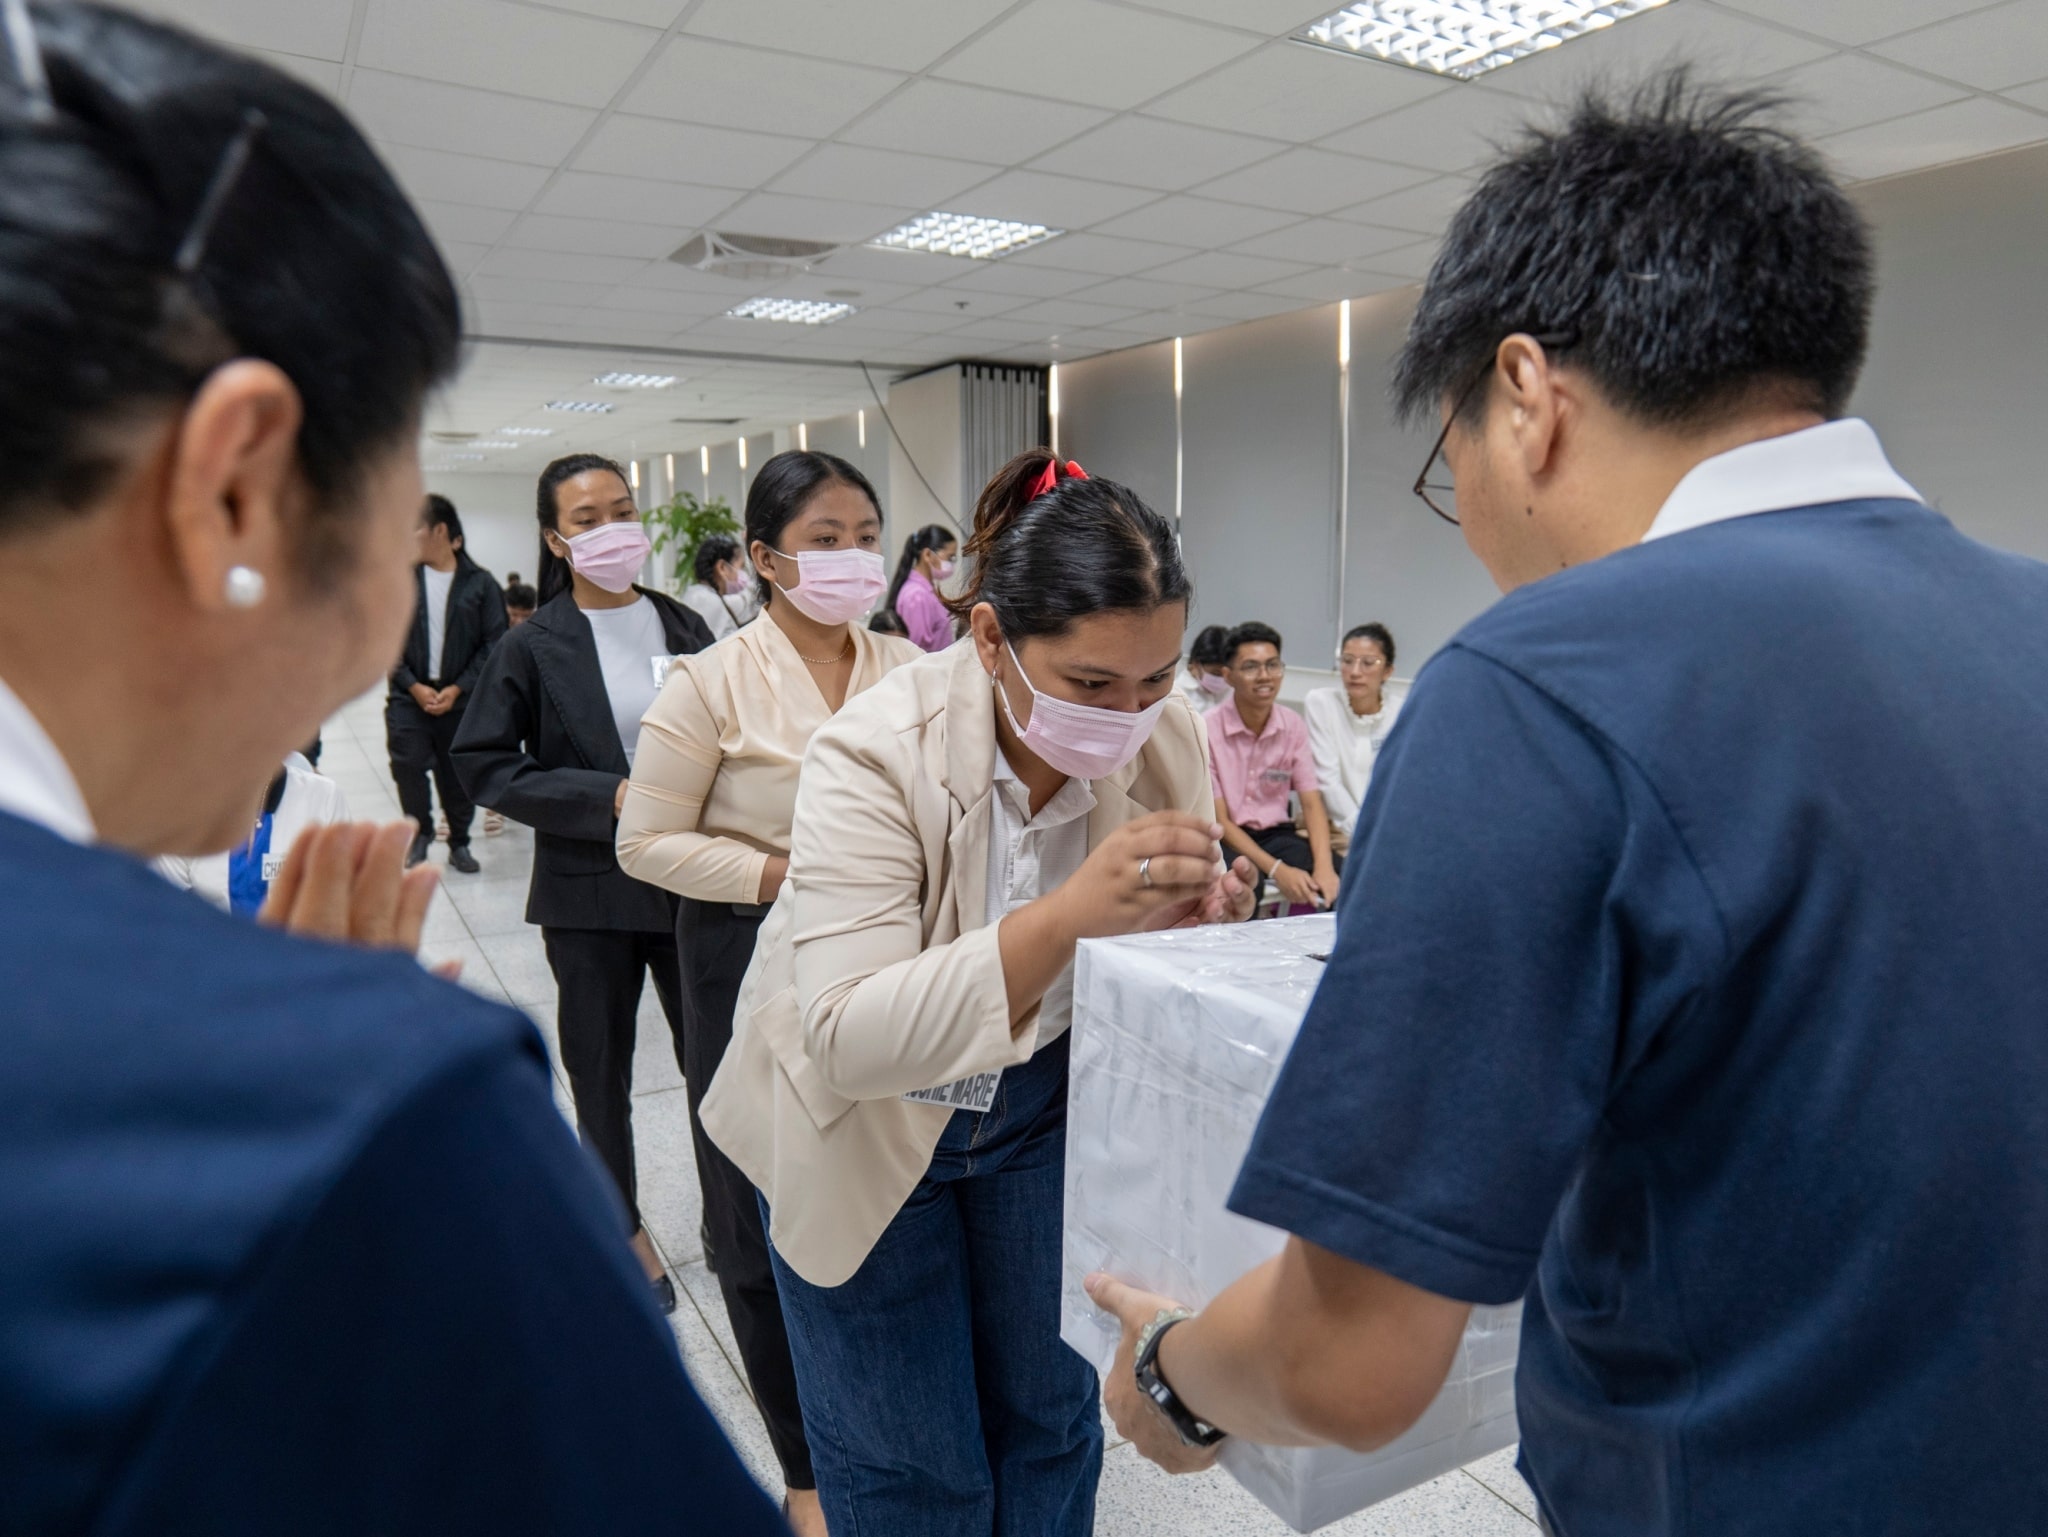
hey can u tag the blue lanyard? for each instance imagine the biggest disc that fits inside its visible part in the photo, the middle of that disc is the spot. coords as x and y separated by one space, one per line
248 884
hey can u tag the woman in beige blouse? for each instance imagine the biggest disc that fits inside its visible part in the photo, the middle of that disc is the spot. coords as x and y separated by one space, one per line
707 815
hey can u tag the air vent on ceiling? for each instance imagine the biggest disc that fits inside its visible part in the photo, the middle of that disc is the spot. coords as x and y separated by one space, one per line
706 421
752 257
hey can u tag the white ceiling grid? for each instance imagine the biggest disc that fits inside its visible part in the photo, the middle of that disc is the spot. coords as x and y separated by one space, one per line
1208 170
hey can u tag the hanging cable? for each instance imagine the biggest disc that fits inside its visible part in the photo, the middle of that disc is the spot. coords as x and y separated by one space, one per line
882 406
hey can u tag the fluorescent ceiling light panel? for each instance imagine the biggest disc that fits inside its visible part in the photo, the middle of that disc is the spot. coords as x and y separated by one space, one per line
526 432
617 381
807 312
593 407
495 443
1463 38
964 234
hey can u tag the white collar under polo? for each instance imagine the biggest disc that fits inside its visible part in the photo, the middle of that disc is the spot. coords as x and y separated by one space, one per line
35 781
1837 462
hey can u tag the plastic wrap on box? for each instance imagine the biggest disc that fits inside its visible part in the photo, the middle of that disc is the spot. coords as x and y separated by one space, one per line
1177 1040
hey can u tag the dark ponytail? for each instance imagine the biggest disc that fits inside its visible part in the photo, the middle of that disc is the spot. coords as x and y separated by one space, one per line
1086 546
933 536
178 206
553 580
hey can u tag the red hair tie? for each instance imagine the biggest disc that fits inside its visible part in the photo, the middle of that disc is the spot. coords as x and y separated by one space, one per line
1050 478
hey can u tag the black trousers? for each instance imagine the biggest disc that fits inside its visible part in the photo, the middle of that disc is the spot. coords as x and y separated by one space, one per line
1284 843
599 974
714 944
419 742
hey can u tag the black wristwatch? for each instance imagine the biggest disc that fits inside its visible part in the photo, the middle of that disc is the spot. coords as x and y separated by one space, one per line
1191 1430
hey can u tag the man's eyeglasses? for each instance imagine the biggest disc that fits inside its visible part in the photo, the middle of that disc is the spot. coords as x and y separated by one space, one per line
1441 497
1260 669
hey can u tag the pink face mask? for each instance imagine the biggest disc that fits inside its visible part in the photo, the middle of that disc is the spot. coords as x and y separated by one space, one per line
946 569
835 586
1212 685
611 554
1082 741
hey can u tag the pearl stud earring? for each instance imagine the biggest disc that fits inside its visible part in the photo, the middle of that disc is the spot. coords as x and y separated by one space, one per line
245 587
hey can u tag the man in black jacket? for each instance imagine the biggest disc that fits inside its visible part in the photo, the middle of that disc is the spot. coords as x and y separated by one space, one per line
459 617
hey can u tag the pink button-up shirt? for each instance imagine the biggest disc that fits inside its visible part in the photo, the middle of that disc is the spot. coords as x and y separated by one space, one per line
923 615
1253 775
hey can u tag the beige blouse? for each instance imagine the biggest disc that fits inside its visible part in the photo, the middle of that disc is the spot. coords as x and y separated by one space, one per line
714 781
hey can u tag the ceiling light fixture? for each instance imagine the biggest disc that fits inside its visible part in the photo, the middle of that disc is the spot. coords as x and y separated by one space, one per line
526 432
495 443
593 407
619 381
964 234
807 312
1463 38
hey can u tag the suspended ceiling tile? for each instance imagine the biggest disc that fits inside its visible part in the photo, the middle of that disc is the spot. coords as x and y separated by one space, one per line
1427 209
583 194
323 75
1245 306
314 29
1453 132
881 176
1016 278
959 303
1327 242
648 13
595 237
433 175
659 150
1151 152
814 218
463 223
1851 90
1001 127
1088 51
1106 255
1146 293
911 268
1226 269
1271 18
1409 261
1310 181
1855 21
402 109
1073 313
1721 45
1328 284
696 80
1960 131
1288 91
905 34
489 288
1064 202
1197 221
2004 46
500 47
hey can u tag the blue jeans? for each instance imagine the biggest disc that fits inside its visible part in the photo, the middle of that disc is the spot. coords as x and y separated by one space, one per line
937 1396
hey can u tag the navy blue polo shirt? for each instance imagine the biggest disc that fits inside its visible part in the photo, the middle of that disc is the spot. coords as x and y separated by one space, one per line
292 1239
1692 980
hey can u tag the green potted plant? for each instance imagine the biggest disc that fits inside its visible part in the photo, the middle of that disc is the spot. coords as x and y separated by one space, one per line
683 522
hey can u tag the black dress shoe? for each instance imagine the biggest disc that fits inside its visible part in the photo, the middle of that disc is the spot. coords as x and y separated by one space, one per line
460 858
665 1295
418 852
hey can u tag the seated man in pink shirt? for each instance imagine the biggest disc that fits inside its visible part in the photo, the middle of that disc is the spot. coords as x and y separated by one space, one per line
1258 753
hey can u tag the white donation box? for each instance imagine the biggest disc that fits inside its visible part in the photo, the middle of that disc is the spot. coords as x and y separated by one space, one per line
1177 1040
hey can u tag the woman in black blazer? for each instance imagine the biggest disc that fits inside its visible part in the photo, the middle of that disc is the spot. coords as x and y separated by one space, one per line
548 741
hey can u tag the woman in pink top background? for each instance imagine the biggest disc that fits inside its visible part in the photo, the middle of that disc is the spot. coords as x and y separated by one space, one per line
927 561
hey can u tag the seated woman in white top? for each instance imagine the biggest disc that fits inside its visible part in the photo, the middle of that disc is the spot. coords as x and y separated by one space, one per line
1347 725
300 797
720 593
1205 683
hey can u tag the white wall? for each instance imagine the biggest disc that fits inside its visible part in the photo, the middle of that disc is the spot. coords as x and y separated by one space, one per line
498 524
926 411
1956 386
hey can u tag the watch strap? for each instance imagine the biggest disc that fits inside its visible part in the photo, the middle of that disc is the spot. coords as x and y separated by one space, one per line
1194 1431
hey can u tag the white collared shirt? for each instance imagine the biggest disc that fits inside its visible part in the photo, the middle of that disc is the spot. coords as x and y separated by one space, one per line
1838 461
35 781
1029 856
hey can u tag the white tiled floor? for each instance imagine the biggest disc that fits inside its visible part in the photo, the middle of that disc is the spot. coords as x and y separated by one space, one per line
480 919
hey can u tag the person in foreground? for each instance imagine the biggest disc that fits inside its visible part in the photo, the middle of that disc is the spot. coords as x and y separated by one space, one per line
896 1084
292 1238
1688 978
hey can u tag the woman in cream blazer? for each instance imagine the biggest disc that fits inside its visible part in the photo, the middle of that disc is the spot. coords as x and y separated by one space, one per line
707 816
958 829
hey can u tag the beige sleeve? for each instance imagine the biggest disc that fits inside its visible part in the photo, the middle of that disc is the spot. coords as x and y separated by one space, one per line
881 1013
673 769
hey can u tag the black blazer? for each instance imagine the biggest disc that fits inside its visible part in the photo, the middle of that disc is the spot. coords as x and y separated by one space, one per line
540 745
476 622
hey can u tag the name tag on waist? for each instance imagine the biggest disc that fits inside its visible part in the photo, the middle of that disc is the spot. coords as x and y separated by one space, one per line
976 1092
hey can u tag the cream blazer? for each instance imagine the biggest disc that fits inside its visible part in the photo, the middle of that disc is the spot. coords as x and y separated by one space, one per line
877 971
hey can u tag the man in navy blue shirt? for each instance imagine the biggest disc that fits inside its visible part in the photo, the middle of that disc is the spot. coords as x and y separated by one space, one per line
1693 948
